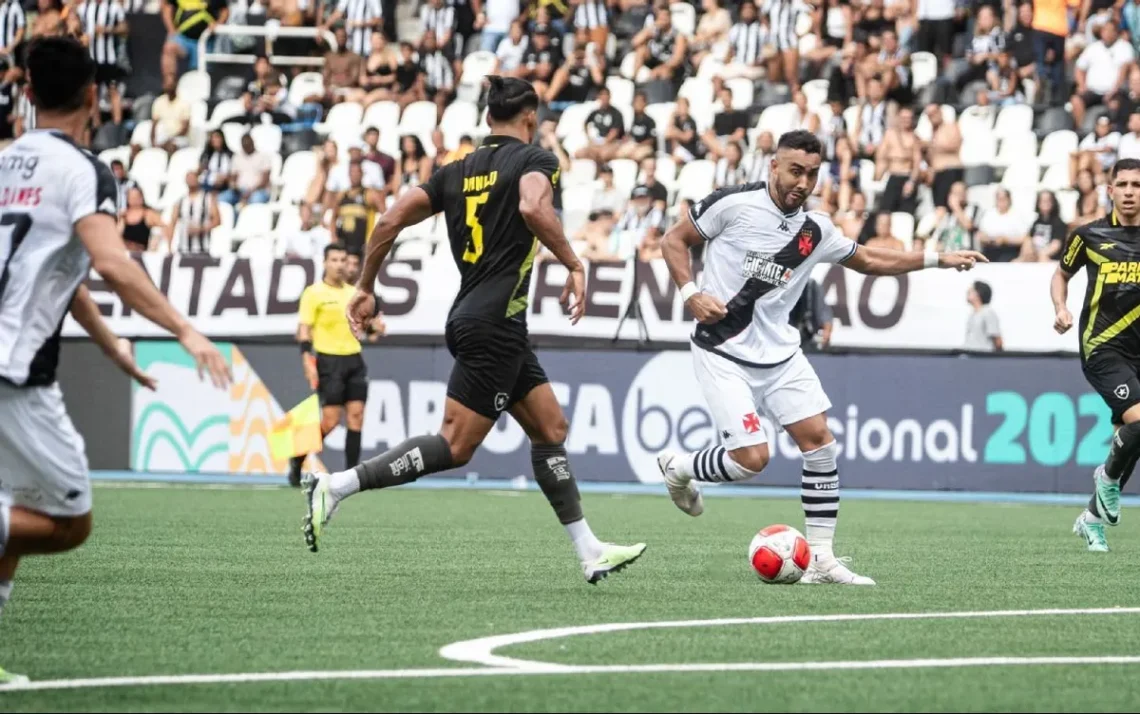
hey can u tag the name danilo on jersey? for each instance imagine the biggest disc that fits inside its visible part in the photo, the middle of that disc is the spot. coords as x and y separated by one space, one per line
476 184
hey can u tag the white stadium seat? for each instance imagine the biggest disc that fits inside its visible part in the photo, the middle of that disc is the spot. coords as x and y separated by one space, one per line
226 109
181 163
343 118
816 92
695 180
254 221
304 85
742 91
621 91
385 116
902 227
1057 148
194 86
625 174
684 18
419 118
476 66
923 68
1021 174
582 172
267 138
1056 177
1014 120
459 118
1016 148
141 134
296 175
149 165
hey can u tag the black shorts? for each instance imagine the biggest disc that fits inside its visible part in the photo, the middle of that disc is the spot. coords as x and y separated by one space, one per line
935 36
494 366
943 181
1114 377
108 74
341 379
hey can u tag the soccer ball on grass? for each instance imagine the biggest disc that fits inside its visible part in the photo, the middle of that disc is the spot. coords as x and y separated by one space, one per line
779 554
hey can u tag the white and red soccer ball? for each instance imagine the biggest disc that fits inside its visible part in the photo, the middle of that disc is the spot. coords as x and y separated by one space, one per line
779 554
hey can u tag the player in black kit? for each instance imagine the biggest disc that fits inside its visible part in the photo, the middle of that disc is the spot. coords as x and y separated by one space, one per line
498 202
1109 251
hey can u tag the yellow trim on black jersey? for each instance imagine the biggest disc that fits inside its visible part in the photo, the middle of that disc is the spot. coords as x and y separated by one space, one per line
518 304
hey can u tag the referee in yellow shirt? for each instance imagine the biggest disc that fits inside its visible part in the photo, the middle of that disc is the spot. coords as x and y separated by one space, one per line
331 357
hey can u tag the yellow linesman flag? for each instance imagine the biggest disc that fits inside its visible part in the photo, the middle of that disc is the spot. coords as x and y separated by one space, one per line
298 432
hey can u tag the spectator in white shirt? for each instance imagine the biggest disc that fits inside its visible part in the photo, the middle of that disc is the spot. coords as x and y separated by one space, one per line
1129 147
1002 231
1100 70
495 21
511 51
308 241
1097 151
251 175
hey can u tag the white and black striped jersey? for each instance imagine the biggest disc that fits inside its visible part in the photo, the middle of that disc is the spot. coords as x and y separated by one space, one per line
440 21
782 18
124 190
662 45
591 14
747 42
437 71
47 184
12 20
993 41
759 167
631 220
194 210
725 175
25 111
757 261
360 38
135 6
104 14
872 124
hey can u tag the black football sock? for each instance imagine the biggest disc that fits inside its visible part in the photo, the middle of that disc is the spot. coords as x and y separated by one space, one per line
413 458
295 465
552 471
1123 451
351 449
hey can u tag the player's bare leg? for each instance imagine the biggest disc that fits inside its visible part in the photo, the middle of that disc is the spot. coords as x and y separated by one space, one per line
25 532
540 415
819 493
1108 480
461 433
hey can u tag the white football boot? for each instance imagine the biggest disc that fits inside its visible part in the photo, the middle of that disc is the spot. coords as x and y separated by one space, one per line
825 568
682 489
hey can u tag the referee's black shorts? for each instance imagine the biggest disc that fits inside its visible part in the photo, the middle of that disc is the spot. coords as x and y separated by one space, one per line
341 379
494 366
1114 377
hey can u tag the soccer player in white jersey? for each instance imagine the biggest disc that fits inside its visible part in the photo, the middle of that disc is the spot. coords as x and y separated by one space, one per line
760 249
58 207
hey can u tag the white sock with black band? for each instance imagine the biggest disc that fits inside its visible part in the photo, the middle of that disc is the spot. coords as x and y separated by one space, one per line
714 465
819 494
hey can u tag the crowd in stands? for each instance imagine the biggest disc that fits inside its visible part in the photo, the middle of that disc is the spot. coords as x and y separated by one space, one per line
946 123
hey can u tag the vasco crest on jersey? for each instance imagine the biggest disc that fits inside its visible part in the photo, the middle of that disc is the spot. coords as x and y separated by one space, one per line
762 267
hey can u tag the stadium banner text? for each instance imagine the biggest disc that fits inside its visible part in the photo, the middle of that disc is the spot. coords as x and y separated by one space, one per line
982 424
234 297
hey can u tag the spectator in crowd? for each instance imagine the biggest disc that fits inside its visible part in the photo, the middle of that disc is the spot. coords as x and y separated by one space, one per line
541 60
1097 151
251 169
592 241
466 146
1051 27
1020 42
355 210
1047 233
1002 231
372 154
186 21
266 95
682 138
496 21
341 70
308 241
1129 147
812 317
575 81
592 16
983 331
747 42
409 77
712 31
119 171
170 115
607 196
138 223
640 214
661 49
217 163
1091 199
415 165
882 236
950 227
872 119
1100 71
899 159
511 51
438 75
102 23
850 219
377 81
605 129
196 215
657 190
943 155
649 248
361 19
730 169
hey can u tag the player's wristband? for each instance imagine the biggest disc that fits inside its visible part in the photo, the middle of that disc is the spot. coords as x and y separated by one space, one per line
306 347
688 290
930 259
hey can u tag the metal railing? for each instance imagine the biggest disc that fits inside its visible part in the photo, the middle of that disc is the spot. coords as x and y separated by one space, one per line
270 33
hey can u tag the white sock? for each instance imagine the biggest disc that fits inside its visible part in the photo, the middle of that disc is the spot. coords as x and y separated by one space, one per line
5 593
585 542
820 496
1090 517
715 465
343 484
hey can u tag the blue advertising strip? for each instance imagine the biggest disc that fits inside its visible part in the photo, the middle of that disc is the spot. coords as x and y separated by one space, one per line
935 423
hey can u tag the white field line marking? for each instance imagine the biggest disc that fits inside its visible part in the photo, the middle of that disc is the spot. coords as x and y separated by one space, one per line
483 650
554 671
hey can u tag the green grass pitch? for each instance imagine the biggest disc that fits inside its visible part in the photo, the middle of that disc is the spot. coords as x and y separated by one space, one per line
181 581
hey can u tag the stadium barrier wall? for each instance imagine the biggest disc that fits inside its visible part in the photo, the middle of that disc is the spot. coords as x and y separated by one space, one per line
1014 424
257 298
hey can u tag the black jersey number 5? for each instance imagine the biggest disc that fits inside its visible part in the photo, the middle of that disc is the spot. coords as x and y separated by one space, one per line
474 249
14 228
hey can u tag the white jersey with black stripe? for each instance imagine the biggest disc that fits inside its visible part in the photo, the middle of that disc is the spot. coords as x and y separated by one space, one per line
47 184
757 261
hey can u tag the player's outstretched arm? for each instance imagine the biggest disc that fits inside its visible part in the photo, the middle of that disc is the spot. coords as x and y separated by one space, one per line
410 209
100 235
675 250
86 313
536 205
883 261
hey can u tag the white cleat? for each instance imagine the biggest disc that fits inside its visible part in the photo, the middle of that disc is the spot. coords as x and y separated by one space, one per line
833 571
684 492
